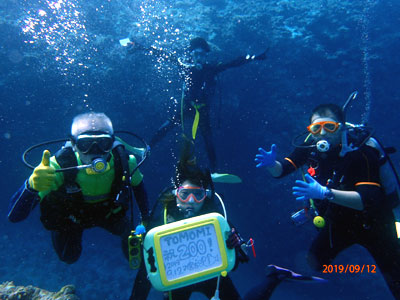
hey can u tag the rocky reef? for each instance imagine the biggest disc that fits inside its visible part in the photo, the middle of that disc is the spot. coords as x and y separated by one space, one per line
8 291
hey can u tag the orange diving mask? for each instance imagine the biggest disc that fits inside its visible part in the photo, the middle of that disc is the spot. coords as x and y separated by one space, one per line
328 126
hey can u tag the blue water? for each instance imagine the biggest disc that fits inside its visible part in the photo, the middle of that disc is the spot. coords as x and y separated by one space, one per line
60 58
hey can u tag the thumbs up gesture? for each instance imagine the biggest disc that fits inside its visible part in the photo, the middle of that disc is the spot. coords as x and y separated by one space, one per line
43 175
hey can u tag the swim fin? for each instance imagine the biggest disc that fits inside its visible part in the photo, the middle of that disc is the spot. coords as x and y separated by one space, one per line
225 178
286 274
124 42
131 149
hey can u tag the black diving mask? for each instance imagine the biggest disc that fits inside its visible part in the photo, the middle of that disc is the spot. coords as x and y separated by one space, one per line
86 143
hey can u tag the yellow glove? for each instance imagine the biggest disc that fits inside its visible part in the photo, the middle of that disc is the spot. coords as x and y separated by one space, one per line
43 175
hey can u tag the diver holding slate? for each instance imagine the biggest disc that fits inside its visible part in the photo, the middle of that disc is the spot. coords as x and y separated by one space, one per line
188 254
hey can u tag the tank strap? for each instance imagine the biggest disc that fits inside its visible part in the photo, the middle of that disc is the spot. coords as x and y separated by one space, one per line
66 158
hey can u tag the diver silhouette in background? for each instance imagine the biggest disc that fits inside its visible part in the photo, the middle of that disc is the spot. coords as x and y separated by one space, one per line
199 87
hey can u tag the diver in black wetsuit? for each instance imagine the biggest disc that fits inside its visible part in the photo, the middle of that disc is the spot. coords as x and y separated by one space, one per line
192 195
199 87
346 187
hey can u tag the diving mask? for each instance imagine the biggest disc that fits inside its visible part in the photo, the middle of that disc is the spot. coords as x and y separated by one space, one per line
328 126
86 142
184 193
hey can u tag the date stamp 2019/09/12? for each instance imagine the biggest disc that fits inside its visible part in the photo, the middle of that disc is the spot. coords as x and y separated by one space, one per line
352 269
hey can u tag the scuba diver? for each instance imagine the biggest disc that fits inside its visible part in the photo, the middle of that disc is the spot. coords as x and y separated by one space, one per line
193 194
87 183
345 190
199 85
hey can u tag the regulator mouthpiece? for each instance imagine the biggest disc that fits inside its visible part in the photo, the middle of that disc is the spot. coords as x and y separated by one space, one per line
323 146
98 165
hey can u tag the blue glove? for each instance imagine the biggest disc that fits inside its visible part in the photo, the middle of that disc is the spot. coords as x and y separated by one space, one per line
310 189
140 229
265 158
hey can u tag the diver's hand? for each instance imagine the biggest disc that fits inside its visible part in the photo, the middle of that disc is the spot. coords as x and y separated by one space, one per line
43 176
266 159
234 240
262 56
241 254
310 189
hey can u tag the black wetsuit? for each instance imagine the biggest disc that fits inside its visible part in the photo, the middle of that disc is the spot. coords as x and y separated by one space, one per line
59 217
373 227
199 88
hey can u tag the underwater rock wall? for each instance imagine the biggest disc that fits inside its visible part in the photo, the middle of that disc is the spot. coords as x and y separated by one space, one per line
8 291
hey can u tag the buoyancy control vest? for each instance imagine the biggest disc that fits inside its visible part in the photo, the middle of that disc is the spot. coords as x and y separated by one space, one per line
68 200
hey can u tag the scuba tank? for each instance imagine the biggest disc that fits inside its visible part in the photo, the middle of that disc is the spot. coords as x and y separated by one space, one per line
389 179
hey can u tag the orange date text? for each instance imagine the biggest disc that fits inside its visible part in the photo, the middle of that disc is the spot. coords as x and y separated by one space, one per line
352 269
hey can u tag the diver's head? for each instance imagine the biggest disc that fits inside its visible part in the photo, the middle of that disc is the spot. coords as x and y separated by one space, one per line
199 49
193 185
190 197
326 125
92 136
